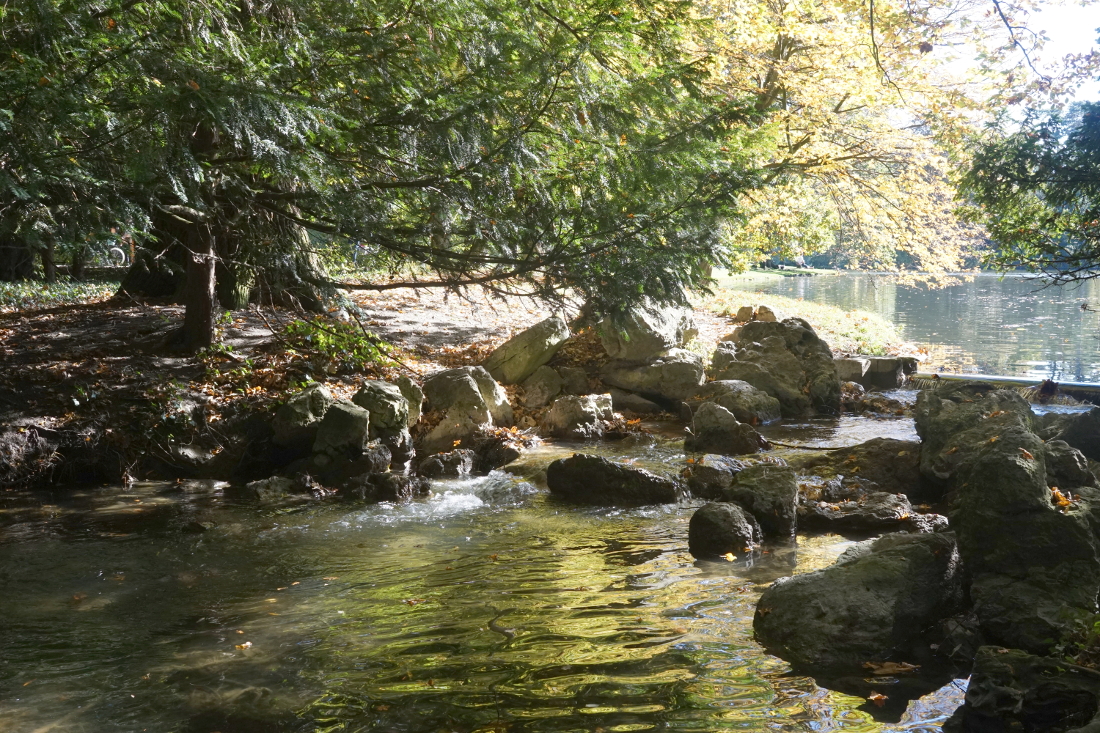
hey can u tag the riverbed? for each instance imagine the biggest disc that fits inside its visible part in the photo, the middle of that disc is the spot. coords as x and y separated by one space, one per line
487 607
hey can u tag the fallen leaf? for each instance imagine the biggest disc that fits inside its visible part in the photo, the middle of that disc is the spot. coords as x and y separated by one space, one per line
414 601
953 450
994 439
1026 454
730 557
877 698
246 645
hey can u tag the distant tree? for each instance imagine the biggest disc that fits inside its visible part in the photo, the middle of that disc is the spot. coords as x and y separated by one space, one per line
1035 186
544 144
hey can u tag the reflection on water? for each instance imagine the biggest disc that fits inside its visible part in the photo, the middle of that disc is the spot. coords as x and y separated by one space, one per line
992 325
487 607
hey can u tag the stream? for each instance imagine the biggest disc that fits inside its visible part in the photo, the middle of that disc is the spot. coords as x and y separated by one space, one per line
487 607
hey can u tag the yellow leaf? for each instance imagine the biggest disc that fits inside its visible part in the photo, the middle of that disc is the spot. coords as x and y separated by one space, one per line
730 557
246 645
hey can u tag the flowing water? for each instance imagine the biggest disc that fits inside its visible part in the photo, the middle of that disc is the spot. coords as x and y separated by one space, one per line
487 607
987 324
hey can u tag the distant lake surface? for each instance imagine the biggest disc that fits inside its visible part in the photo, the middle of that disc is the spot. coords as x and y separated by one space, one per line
987 324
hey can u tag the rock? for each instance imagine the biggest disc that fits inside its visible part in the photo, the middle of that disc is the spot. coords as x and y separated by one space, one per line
395 487
677 375
1035 570
517 358
1067 467
587 479
770 493
574 380
578 417
765 314
542 386
387 405
1081 430
346 471
343 431
623 401
957 419
892 465
871 513
646 331
469 400
747 403
852 369
884 372
714 429
274 488
719 528
710 476
872 607
788 361
389 418
414 396
295 423
744 314
495 451
1011 690
448 465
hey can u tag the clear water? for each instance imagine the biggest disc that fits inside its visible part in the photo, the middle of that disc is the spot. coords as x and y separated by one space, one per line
488 607
985 323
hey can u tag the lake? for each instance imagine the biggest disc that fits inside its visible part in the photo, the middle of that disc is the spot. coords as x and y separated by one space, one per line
1013 325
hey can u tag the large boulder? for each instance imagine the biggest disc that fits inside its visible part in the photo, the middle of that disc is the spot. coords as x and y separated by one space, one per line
542 386
709 476
468 400
453 464
788 361
892 465
957 418
343 432
518 357
1011 690
296 421
676 375
770 493
1032 554
623 401
646 331
587 479
574 380
578 417
714 429
414 396
1079 429
720 528
872 605
747 403
389 418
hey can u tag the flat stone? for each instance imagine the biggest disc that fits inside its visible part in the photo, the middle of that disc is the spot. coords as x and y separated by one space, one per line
518 357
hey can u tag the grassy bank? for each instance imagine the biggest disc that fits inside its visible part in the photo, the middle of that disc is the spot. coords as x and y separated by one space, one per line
31 295
850 332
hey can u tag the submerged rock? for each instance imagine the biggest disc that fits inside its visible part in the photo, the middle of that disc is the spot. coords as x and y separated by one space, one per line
714 429
788 361
587 479
517 358
719 528
872 605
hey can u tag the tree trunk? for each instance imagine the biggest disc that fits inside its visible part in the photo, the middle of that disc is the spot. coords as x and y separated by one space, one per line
16 259
78 263
198 321
49 265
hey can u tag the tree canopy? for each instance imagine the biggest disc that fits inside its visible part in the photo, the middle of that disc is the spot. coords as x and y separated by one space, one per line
1035 186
